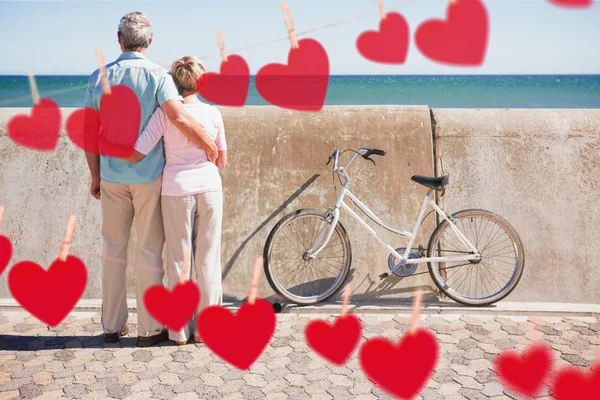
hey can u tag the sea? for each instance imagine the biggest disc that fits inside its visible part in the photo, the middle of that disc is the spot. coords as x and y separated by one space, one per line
443 91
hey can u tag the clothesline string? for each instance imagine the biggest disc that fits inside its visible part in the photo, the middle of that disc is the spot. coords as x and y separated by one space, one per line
303 33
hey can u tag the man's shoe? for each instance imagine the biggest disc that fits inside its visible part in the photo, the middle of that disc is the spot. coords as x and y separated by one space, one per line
116 336
147 341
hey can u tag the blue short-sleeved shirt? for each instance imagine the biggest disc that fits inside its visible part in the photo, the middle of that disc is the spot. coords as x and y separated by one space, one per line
153 86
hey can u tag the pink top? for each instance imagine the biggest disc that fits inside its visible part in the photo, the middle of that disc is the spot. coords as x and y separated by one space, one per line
187 169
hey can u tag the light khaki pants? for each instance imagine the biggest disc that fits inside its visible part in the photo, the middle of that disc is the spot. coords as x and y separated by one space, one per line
120 203
193 225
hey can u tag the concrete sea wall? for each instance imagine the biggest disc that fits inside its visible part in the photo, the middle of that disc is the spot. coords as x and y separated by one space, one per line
536 168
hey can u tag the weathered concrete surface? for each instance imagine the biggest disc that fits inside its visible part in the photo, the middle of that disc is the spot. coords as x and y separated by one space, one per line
273 154
540 170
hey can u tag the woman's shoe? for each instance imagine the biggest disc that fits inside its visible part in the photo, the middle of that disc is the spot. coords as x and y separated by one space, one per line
180 343
197 339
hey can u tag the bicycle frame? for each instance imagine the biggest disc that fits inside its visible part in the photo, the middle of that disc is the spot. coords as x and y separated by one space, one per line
320 244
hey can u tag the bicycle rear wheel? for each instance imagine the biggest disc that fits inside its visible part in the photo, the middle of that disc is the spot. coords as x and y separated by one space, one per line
296 278
478 282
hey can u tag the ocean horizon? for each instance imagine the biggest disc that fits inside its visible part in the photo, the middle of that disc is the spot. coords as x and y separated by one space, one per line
436 91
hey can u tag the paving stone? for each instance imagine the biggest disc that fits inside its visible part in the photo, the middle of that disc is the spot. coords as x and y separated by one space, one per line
64 355
296 393
28 371
255 380
30 391
492 389
472 394
163 392
14 384
12 366
340 393
277 396
10 395
361 388
5 378
340 380
473 354
144 385
75 391
140 396
276 374
443 375
233 386
25 355
468 382
576 360
274 386
128 378
296 380
42 378
187 386
181 356
212 380
142 355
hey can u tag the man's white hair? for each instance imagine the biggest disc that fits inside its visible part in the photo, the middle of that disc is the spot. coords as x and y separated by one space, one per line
136 30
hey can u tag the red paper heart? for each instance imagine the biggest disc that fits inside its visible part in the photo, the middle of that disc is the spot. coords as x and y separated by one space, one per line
400 369
83 127
230 86
241 338
389 45
525 373
336 342
461 39
5 253
302 83
574 384
173 309
572 3
40 131
118 122
48 295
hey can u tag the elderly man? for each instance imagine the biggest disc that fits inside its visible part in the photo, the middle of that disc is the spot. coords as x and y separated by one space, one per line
128 190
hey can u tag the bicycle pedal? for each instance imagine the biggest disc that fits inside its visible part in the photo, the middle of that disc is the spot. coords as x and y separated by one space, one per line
384 275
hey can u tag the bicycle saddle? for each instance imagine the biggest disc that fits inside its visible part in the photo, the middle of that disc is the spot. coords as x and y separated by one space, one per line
436 183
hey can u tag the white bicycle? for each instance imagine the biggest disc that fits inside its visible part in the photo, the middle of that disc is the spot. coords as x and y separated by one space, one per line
474 256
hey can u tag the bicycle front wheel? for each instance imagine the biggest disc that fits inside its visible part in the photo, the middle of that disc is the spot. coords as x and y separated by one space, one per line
290 273
477 282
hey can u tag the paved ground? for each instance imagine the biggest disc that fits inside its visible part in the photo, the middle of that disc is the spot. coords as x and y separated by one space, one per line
71 361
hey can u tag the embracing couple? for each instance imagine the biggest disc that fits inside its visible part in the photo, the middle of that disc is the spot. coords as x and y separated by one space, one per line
170 185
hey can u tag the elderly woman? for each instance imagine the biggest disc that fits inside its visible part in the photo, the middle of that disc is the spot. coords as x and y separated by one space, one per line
191 198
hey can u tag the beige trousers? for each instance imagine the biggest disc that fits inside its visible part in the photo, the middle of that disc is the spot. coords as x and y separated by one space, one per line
193 225
120 203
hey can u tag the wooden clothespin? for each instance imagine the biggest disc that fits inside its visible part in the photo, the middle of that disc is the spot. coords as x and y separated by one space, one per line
35 95
287 16
66 244
381 9
1 214
103 74
345 300
416 316
221 46
255 283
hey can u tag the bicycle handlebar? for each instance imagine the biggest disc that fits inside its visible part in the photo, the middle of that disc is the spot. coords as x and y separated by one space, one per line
377 152
367 153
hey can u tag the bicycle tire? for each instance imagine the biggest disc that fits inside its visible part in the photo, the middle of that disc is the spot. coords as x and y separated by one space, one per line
514 280
273 282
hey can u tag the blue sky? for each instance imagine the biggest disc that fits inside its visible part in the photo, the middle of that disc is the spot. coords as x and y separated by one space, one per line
59 37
